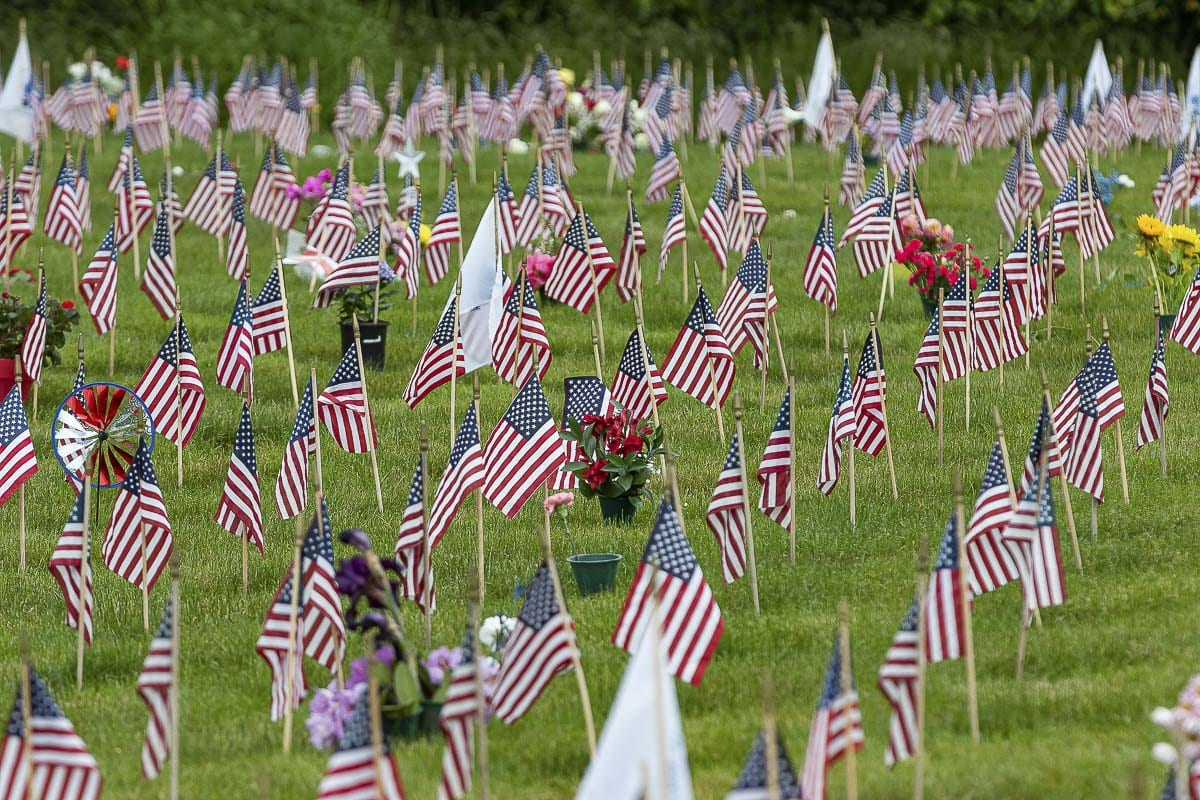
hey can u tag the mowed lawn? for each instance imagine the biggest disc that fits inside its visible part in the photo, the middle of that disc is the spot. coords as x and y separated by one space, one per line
1076 726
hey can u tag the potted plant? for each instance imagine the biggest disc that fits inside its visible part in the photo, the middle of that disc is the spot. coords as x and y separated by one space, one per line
17 307
594 572
360 301
1172 253
538 263
617 460
934 260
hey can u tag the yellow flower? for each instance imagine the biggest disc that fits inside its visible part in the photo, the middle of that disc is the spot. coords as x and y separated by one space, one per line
426 232
1183 235
1149 225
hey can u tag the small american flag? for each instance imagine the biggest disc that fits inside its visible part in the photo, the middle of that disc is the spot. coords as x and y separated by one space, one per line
460 710
321 610
291 487
775 469
898 681
293 129
666 170
997 341
28 184
1044 436
268 314
139 541
992 566
690 618
1008 204
747 302
726 514
1085 458
331 227
62 767
700 356
235 359
507 217
1110 406
853 179
275 646
157 387
930 361
943 606
410 546
820 270
83 191
17 461
239 510
158 282
520 338
582 268
1185 331
541 646
875 245
1157 402
584 395
443 358
408 249
207 204
531 225
285 208
1032 539
447 230
1055 153
463 475
359 267
714 227
867 208
65 566
633 247
753 782
675 230
148 123
135 208
16 220
638 390
236 256
155 684
836 726
99 284
868 395
842 425
33 346
342 406
63 222
523 451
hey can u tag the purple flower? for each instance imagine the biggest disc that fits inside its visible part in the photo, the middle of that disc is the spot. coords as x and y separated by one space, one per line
325 175
312 187
386 275
293 192
356 538
327 714
441 661
352 576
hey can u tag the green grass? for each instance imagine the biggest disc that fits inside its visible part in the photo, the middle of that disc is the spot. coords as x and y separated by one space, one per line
1076 726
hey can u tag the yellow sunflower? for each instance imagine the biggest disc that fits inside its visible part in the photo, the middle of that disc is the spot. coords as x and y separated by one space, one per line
1184 235
1150 225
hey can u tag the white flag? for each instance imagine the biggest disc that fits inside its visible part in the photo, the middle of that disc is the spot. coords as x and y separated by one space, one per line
820 84
643 731
1099 77
16 117
482 299
1189 120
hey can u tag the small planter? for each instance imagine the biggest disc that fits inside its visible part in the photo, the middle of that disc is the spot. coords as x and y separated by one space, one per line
431 718
398 724
1165 323
929 306
617 510
7 374
374 342
595 572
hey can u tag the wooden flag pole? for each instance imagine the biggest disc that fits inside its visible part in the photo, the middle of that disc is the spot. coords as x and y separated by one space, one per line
847 685
1026 613
478 498
21 491
367 408
319 467
1079 241
766 349
1063 479
520 280
824 217
577 662
595 285
133 231
41 280
596 350
1117 424
1003 442
173 696
474 603
941 350
737 416
970 338
1000 268
1051 282
887 434
770 738
1094 505
1162 423
849 446
244 530
224 211
112 332
712 373
654 639
416 264
960 524
1092 219
791 382
426 563
922 628
683 261
1027 294
773 321
85 578
287 325
883 287
293 651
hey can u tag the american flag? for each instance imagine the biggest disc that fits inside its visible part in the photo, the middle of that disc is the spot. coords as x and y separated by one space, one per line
633 247
634 388
263 196
158 282
235 359
464 474
747 302
342 406
666 170
28 184
408 250
520 338
675 230
331 228
582 268
523 451
135 208
1056 155
239 510
898 682
842 425
63 222
443 357
775 469
410 546
155 683
169 198
447 230
1085 459
359 267
853 179
1032 539
291 487
1186 329
66 567
292 131
583 395
1109 403
279 210
726 514
714 226
98 286
33 345
1044 436
83 191
531 225
557 204
507 216
148 123
321 611
541 646
836 726
268 314
700 357
62 767
1008 204
1157 402
139 541
375 203
460 710
174 365
753 212
997 340
690 618
943 605
236 257
820 270
753 782
1031 190
208 205
875 245
123 159
279 650
17 228
907 197
992 565
867 208
868 395
929 368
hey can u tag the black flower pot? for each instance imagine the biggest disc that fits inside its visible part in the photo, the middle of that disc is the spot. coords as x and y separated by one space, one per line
374 342
595 572
399 725
617 510
431 718
929 305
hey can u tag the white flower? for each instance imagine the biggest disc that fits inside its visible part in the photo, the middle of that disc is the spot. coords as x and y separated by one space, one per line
575 102
641 142
495 630
1125 181
517 147
77 69
601 108
177 170
1162 717
1163 753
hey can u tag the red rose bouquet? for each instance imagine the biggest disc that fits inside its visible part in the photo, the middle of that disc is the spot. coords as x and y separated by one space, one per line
934 259
617 454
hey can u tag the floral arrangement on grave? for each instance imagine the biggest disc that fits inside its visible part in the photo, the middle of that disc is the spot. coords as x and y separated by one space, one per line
934 260
1171 253
1183 723
360 300
617 455
17 307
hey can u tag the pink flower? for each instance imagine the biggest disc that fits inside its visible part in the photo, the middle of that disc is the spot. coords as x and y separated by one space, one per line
312 186
293 192
910 225
537 269
325 175
561 500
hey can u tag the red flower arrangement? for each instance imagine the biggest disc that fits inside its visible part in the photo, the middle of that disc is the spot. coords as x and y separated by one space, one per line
616 453
934 260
